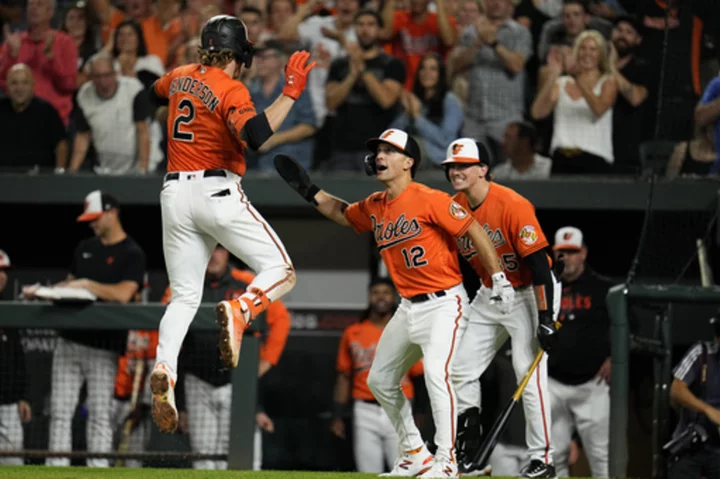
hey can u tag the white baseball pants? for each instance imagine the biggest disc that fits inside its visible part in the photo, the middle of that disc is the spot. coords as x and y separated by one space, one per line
11 434
507 459
73 364
487 331
197 214
208 409
375 442
585 408
431 330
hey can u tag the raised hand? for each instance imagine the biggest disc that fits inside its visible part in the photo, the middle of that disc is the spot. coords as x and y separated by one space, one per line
12 39
296 73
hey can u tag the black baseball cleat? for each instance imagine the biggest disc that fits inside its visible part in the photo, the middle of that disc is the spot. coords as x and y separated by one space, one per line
470 470
538 469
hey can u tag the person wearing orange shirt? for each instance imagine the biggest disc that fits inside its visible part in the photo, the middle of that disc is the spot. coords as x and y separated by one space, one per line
510 222
375 442
204 378
415 228
141 345
211 119
415 32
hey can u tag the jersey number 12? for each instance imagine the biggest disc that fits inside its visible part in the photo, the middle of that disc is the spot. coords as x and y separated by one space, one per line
186 116
414 257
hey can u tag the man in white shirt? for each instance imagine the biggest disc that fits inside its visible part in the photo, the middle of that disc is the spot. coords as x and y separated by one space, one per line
523 162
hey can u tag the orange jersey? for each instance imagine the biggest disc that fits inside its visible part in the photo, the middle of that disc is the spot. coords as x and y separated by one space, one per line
415 234
411 41
141 345
206 113
356 354
509 219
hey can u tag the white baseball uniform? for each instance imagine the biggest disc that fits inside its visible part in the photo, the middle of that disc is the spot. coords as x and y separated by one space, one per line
203 203
375 441
415 235
513 228
208 409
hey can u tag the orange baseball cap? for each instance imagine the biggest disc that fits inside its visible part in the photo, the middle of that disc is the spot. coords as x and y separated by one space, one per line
467 151
97 203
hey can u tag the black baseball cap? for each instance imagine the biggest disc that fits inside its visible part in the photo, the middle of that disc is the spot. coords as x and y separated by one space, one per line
632 20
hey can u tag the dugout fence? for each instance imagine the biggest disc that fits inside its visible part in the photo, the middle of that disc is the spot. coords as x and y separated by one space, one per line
39 318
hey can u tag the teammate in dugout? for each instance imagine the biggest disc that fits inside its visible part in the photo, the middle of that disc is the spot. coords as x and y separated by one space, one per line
510 222
375 442
415 228
205 409
211 119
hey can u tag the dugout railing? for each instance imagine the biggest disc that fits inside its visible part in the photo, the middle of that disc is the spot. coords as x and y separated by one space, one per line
31 315
653 335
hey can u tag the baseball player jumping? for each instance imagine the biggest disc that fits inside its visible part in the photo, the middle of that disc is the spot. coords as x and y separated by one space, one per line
415 228
210 120
510 222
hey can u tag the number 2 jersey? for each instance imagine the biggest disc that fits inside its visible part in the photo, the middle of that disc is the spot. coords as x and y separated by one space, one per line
416 235
509 219
207 110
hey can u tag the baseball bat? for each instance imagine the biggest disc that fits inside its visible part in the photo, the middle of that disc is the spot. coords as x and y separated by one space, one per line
128 424
488 445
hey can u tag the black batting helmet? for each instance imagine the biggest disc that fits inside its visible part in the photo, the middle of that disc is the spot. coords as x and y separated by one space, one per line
227 33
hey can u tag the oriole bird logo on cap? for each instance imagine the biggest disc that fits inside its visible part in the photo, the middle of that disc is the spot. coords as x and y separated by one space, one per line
386 134
567 236
457 147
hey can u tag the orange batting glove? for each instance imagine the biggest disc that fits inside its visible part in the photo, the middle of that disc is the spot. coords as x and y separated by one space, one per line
296 74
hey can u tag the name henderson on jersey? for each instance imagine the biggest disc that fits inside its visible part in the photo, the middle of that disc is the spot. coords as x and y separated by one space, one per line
197 88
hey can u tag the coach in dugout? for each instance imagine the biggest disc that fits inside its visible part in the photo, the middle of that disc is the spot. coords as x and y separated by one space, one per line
205 380
111 265
375 442
579 365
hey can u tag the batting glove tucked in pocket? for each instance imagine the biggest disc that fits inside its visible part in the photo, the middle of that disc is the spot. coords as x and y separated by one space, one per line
503 293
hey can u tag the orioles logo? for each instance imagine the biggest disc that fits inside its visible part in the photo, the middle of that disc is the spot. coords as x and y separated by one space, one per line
567 236
528 235
456 148
457 211
387 134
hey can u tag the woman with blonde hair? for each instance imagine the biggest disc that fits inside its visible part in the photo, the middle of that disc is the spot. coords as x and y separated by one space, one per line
582 103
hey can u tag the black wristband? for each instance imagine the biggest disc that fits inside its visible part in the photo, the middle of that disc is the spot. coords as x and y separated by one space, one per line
310 195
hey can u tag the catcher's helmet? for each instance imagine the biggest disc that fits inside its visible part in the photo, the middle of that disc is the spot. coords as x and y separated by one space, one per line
225 32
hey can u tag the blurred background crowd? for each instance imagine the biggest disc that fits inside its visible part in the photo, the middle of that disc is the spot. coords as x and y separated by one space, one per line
513 73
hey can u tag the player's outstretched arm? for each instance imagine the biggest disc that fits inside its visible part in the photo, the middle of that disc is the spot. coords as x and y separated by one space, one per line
295 175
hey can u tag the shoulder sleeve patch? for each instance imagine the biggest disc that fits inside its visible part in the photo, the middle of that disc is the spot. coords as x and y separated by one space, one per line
457 211
528 235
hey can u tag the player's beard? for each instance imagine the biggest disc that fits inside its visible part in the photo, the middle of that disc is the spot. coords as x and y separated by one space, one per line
623 48
382 308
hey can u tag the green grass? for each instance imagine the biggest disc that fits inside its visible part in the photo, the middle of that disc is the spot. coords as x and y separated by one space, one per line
42 472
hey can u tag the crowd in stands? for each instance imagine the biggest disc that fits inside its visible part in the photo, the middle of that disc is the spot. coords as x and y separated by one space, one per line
551 86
